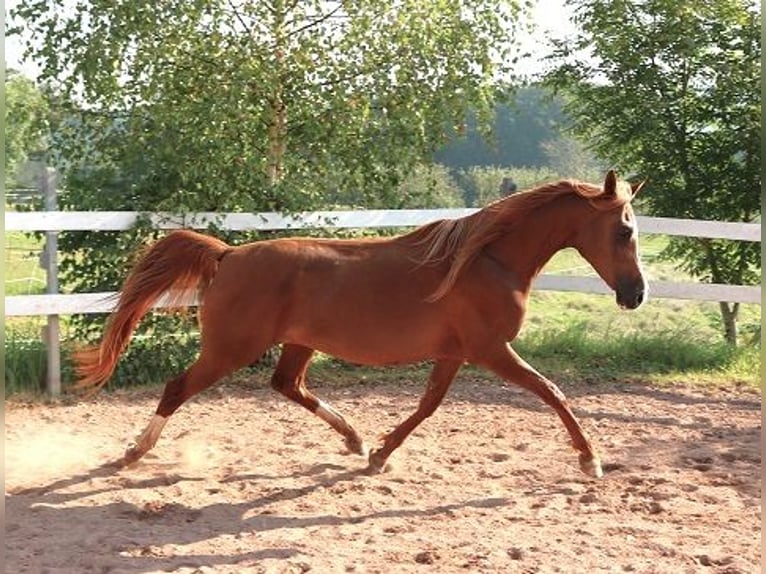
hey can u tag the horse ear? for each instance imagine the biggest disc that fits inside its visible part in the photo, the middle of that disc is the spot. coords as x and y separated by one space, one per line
636 187
610 183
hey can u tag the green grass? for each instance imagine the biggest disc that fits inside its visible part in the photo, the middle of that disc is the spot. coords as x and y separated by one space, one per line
661 356
23 274
25 362
24 365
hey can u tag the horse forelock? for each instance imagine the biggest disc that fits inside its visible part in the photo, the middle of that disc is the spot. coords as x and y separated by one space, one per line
459 241
598 198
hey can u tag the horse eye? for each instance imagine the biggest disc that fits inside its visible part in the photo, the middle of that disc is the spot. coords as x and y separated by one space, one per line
626 232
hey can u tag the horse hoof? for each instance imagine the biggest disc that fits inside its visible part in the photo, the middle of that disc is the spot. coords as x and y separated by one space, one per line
377 464
356 446
591 465
132 454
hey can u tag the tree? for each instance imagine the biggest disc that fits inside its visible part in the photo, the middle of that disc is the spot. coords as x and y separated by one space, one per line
26 119
519 125
290 97
569 157
671 90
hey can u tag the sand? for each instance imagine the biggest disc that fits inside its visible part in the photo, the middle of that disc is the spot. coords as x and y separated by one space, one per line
244 481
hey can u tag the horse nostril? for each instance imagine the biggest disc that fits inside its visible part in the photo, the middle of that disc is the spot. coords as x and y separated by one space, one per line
631 294
631 299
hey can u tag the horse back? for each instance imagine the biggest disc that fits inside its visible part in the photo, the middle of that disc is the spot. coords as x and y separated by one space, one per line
326 294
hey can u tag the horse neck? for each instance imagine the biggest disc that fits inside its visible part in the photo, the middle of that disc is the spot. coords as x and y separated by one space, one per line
537 236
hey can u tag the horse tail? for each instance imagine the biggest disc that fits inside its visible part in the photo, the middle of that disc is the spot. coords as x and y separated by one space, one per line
178 264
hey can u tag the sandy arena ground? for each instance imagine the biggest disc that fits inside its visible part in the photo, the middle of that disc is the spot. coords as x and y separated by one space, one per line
244 481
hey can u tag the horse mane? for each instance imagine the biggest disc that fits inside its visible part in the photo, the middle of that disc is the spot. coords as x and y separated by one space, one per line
459 241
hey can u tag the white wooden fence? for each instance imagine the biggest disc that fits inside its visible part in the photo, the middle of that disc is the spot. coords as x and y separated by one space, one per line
61 304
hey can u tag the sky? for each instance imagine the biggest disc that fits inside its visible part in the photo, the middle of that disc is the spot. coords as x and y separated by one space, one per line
14 50
548 15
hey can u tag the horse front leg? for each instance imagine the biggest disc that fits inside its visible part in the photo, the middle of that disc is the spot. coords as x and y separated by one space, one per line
439 381
506 363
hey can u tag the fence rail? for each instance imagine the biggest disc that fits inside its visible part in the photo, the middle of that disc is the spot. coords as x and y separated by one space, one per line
65 304
121 220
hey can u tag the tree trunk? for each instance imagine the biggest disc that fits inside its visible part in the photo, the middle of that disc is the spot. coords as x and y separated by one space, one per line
729 313
277 123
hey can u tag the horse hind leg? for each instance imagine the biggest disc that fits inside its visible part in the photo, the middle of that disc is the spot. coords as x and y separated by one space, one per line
289 379
205 372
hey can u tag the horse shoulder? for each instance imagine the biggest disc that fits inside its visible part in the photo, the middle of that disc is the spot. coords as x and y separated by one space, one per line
490 301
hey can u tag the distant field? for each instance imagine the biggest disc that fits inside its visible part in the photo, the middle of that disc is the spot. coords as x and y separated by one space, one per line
23 274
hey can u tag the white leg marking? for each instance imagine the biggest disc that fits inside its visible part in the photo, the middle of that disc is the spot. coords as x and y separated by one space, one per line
353 442
328 414
147 439
591 465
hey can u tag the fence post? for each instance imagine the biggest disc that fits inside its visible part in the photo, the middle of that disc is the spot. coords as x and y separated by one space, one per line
53 378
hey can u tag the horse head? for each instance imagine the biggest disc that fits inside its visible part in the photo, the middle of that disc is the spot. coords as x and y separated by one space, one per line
609 241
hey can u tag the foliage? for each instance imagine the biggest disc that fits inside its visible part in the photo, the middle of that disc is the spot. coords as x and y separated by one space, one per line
482 185
26 115
569 157
151 359
429 187
268 105
670 89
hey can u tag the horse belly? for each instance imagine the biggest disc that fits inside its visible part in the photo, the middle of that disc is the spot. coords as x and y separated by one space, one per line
369 322
364 342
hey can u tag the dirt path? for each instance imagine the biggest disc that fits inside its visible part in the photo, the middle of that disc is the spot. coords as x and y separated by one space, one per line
242 481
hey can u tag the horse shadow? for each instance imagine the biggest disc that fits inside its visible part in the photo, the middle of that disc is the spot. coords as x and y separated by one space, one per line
125 537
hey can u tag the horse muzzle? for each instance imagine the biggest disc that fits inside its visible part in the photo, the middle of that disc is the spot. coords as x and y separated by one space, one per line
631 295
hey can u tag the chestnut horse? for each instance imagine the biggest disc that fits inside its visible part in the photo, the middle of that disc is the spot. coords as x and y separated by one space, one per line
453 291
